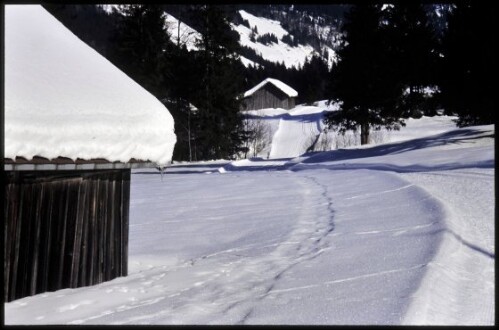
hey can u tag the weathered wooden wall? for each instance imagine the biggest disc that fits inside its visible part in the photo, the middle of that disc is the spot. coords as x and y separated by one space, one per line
64 229
268 96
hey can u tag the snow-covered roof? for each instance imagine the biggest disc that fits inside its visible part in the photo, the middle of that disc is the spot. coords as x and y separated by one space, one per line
277 83
63 99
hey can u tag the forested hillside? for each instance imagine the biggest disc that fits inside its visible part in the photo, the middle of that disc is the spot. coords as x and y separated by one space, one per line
400 67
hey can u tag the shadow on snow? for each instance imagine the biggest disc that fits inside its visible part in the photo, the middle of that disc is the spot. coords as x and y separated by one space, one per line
314 160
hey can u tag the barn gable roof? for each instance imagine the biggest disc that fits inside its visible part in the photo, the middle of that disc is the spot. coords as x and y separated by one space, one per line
277 83
63 99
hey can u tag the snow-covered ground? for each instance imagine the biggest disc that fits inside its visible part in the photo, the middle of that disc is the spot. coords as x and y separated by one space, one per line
396 233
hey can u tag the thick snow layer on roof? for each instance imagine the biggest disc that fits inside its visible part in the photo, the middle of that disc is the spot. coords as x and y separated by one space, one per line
277 83
62 98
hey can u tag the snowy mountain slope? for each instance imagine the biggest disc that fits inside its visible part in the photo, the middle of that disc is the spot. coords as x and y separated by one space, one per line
401 233
189 36
183 34
291 56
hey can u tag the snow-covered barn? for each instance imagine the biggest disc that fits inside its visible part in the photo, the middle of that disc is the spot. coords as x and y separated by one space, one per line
270 93
74 127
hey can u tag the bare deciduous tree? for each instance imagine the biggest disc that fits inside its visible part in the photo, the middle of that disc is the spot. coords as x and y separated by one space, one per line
259 136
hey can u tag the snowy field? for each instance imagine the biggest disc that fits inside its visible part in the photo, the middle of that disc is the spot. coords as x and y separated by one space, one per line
395 233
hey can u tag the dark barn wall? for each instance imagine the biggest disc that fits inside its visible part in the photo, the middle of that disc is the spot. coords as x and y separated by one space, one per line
268 96
64 229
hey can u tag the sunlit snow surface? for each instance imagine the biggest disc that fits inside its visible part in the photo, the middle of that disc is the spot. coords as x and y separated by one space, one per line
62 98
396 233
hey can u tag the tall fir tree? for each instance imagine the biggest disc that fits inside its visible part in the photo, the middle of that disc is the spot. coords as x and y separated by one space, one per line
469 63
219 128
140 42
365 80
414 46
312 83
182 83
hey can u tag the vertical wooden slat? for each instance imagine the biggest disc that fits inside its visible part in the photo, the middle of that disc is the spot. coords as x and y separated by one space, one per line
117 226
22 289
58 187
82 281
80 204
91 234
109 229
12 198
16 243
95 234
63 216
15 246
38 198
125 204
46 239
103 202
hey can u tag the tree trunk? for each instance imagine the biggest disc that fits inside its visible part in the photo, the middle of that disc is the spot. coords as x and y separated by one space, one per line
189 132
364 134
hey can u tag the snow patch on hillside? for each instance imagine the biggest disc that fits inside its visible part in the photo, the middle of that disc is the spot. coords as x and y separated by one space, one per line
279 52
186 36
264 25
246 62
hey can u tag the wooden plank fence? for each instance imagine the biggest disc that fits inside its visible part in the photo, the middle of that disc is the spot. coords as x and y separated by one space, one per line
64 229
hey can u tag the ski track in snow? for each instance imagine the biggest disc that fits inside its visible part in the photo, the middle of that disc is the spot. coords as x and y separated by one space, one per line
251 279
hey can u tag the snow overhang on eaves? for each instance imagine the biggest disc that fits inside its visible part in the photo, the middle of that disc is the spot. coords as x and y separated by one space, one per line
63 99
65 164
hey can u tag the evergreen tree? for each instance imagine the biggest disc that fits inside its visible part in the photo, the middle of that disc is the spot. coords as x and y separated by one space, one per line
89 22
140 42
182 84
313 82
220 131
414 46
468 64
365 80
